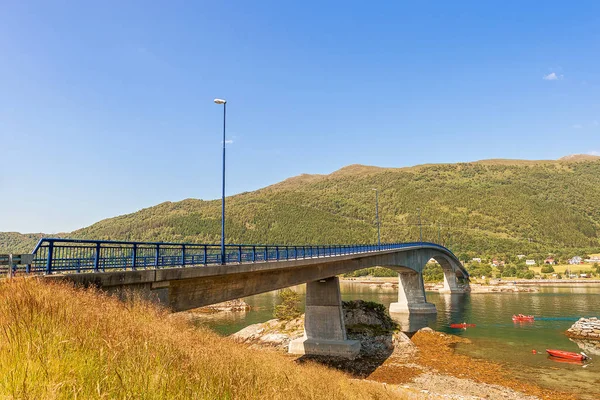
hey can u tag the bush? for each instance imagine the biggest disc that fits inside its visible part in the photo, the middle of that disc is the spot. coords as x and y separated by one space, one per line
529 275
547 269
433 273
289 308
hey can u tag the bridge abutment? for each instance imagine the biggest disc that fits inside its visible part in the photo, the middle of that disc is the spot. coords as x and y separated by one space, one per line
324 328
411 295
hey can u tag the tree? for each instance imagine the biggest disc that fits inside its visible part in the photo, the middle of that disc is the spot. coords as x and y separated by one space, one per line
289 308
547 269
529 275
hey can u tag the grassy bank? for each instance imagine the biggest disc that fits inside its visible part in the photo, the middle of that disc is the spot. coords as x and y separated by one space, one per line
57 341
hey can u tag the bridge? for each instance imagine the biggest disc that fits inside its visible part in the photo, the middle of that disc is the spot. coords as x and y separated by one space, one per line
184 276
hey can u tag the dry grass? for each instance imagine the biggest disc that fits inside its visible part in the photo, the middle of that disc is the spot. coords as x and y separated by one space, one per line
59 342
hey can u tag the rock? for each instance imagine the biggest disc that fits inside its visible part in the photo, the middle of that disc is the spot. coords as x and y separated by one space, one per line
426 329
230 306
585 328
365 321
360 315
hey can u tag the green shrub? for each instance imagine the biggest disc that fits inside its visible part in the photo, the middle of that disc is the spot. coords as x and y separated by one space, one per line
289 308
529 275
547 269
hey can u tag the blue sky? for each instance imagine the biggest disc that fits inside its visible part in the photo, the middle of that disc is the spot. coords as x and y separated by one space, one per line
106 107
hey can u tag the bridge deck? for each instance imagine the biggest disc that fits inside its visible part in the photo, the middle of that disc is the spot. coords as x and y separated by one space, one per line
59 256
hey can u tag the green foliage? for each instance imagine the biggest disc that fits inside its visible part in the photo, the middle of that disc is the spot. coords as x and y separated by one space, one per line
433 273
596 267
17 243
491 208
479 269
547 269
529 275
289 308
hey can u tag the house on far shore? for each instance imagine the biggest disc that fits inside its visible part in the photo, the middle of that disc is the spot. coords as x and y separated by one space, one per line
594 259
529 262
520 256
575 260
477 259
550 261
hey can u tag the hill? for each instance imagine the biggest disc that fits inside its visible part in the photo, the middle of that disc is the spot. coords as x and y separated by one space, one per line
485 207
14 242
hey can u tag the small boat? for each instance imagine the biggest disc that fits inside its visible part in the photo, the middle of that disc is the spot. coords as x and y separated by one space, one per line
569 355
464 325
521 317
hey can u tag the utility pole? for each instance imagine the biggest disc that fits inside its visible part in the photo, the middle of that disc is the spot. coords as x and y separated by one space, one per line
420 226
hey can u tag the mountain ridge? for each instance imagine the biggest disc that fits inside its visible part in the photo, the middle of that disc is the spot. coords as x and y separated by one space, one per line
486 205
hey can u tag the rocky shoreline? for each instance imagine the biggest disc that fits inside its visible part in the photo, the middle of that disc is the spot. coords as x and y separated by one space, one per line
585 328
424 366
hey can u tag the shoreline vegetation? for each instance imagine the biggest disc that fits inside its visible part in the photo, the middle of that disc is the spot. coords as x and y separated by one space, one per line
60 341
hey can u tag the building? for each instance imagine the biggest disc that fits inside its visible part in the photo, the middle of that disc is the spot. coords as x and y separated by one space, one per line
550 261
529 262
575 260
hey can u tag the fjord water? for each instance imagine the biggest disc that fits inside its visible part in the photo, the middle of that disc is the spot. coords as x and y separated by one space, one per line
495 336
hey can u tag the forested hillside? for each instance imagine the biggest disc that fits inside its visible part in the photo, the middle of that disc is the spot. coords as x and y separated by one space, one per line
491 207
13 242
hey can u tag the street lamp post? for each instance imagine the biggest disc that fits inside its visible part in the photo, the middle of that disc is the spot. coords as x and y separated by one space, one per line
420 226
377 217
224 102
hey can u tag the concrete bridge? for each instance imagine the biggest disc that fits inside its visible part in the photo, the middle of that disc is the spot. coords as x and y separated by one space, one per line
187 276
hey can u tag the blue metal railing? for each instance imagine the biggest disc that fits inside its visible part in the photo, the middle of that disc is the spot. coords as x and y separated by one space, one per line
55 255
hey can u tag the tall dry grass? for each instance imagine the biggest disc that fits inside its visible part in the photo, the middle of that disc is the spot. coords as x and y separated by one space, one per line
59 342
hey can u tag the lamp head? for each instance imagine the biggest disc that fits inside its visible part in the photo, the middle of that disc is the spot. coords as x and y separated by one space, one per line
220 101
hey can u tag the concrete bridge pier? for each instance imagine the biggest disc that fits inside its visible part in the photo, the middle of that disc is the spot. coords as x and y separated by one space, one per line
451 284
411 295
324 329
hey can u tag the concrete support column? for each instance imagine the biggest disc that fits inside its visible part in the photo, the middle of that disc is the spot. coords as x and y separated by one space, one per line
324 329
451 284
411 295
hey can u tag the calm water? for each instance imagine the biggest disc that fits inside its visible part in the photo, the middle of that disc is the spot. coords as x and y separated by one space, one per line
495 337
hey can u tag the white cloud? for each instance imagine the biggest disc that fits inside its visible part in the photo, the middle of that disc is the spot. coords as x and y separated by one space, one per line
594 153
552 77
228 141
577 126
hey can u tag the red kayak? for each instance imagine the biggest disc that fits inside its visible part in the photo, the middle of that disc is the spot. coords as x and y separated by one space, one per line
521 317
464 325
567 354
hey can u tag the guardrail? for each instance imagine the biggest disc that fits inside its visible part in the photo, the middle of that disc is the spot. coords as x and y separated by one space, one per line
57 255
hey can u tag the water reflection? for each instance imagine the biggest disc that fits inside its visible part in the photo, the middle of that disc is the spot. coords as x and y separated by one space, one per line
409 324
588 346
457 307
